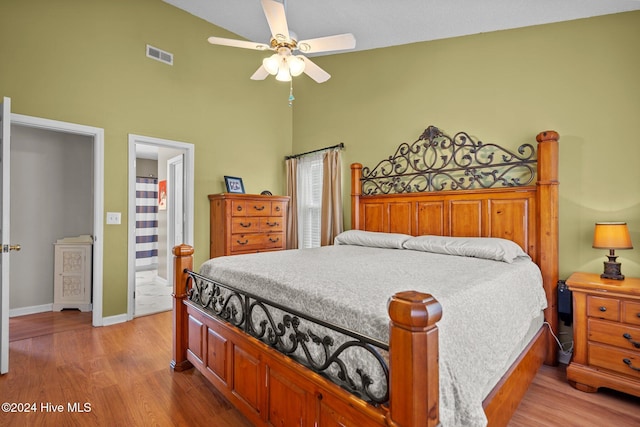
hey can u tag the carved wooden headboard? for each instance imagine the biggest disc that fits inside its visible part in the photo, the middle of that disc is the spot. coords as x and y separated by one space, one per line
459 186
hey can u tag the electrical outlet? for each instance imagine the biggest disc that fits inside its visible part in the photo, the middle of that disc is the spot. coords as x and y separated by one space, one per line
113 217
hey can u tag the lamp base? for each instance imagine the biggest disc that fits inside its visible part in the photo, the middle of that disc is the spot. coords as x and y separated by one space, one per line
612 270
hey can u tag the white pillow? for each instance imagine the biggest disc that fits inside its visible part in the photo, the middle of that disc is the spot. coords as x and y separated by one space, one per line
371 238
492 248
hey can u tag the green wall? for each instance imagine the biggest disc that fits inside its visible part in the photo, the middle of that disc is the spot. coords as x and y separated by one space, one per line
83 61
579 78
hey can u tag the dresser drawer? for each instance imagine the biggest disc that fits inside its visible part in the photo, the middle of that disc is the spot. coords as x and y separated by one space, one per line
258 208
603 308
256 241
618 334
278 208
254 224
255 207
621 361
270 224
238 207
631 312
242 224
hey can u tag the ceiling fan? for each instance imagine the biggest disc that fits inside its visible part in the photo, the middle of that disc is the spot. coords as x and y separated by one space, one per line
284 64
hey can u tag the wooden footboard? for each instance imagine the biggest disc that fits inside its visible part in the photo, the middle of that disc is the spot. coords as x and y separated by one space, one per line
271 389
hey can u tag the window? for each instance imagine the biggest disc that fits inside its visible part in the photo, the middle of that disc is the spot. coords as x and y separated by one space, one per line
309 200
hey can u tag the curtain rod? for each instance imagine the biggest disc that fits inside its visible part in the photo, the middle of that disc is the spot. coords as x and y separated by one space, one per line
295 156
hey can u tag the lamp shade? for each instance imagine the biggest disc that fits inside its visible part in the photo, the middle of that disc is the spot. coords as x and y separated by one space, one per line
611 235
296 65
271 64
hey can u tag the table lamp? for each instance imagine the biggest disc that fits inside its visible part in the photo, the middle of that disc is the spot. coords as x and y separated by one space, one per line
612 236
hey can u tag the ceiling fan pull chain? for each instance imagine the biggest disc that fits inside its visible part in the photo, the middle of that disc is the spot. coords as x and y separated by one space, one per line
291 97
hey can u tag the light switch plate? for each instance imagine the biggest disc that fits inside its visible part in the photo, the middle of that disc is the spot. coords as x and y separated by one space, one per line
113 217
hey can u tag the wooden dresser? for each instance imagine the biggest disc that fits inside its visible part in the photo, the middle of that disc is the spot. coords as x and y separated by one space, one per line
247 223
606 333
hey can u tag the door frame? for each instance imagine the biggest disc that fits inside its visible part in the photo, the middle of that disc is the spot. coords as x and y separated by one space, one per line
172 204
97 135
188 191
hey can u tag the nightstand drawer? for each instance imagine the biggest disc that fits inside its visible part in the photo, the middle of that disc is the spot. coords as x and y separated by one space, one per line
618 334
631 312
603 308
621 361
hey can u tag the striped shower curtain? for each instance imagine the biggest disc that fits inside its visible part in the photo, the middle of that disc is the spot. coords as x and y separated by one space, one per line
146 223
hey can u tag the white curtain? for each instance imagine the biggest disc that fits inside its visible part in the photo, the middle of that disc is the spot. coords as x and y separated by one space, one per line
309 192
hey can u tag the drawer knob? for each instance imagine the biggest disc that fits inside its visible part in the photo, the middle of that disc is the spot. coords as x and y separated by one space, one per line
242 243
629 364
239 208
259 208
242 224
629 338
602 308
278 210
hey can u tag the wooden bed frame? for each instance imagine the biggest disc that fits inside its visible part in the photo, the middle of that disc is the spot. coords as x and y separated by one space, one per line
272 389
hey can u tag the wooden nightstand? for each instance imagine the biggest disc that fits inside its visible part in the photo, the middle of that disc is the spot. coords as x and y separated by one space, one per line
606 333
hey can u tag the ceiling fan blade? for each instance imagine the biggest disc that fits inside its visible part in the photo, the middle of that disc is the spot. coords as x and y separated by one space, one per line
260 74
276 18
313 71
323 44
238 43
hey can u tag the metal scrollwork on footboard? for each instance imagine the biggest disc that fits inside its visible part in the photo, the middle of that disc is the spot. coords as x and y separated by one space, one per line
436 162
351 360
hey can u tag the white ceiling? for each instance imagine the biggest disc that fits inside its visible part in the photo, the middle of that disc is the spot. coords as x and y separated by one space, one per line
377 24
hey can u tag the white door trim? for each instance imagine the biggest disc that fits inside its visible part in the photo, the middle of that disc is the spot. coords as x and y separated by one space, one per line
97 134
188 202
172 204
5 222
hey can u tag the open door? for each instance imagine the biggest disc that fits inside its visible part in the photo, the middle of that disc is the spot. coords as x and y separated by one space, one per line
175 208
5 135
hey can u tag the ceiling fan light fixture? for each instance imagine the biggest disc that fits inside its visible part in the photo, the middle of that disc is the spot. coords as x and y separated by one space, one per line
283 72
271 64
296 65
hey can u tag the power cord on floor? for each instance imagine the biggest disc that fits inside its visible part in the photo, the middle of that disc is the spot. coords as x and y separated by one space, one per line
566 353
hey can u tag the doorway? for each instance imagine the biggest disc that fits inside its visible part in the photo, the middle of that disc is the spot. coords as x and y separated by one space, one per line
77 214
160 216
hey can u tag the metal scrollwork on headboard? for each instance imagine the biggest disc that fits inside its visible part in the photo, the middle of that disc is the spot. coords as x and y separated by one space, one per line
437 162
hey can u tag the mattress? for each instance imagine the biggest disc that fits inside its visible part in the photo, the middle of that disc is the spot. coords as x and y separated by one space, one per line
490 308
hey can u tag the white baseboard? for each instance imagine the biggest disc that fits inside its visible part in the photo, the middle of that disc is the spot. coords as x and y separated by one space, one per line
114 320
23 311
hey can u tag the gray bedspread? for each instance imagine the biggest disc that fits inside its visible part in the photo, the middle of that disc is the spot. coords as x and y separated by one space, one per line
488 306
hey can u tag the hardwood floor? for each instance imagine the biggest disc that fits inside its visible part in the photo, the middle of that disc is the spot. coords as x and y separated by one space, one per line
120 372
119 375
551 401
47 323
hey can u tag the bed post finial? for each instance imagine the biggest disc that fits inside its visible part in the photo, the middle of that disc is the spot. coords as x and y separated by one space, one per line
547 201
413 360
356 192
183 259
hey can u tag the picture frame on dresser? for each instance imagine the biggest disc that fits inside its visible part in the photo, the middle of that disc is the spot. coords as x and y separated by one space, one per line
234 184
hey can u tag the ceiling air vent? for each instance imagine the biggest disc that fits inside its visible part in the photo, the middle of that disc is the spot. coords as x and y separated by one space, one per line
159 55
